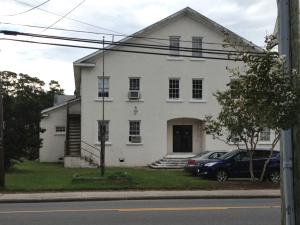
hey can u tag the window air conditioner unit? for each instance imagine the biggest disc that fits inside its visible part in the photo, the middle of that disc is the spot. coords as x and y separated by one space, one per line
136 139
134 94
235 140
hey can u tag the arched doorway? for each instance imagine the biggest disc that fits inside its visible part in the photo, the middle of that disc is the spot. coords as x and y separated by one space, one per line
185 135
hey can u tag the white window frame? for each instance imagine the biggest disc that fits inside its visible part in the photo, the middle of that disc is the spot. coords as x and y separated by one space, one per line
197 47
100 87
233 136
197 89
265 135
60 129
174 47
106 122
174 89
136 131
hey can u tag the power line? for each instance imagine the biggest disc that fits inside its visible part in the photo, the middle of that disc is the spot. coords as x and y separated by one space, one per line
70 18
119 35
61 17
80 21
26 10
117 50
128 44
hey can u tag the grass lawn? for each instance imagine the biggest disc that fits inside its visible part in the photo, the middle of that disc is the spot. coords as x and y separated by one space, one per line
35 176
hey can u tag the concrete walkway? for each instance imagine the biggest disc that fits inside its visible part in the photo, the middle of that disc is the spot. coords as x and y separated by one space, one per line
134 195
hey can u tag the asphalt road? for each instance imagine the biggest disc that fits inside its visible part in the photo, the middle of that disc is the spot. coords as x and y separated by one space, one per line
144 212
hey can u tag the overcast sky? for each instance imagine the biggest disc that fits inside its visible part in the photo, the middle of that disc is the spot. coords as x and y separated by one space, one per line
251 19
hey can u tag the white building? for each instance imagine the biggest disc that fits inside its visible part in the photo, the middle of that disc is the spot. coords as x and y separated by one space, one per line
154 104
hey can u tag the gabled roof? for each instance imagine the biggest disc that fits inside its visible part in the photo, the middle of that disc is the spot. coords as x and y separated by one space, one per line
184 12
87 61
61 105
60 99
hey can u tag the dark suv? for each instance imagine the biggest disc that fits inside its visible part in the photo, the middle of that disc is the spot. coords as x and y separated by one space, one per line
236 164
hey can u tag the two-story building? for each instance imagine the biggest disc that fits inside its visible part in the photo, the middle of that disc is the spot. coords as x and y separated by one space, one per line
154 103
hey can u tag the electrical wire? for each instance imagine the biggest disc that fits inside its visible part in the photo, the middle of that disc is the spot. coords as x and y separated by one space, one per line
70 18
145 38
118 35
60 18
128 44
117 50
26 10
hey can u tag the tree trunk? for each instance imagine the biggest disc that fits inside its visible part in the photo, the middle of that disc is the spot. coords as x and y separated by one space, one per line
270 156
251 167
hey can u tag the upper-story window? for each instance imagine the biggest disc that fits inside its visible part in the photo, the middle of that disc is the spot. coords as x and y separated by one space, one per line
173 88
197 47
103 92
174 46
233 86
134 84
197 89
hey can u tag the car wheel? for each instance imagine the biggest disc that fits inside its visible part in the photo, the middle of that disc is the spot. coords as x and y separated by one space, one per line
274 175
221 175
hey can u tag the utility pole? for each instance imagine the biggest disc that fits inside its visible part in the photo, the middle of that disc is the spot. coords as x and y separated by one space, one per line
102 126
295 64
288 208
2 178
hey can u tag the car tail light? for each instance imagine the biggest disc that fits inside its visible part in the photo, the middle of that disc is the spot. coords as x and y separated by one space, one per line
191 161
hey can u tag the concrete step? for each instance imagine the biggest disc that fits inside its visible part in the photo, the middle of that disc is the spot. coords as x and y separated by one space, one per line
165 167
174 161
90 163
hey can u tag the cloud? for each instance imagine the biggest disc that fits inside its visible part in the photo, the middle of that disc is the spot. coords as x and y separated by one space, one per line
250 19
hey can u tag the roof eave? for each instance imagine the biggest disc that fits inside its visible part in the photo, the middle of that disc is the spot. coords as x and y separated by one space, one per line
61 105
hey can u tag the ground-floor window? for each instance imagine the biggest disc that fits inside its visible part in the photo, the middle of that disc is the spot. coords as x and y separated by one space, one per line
106 123
134 131
60 129
265 135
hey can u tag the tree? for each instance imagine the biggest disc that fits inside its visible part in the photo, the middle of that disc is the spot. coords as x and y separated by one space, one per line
24 98
261 99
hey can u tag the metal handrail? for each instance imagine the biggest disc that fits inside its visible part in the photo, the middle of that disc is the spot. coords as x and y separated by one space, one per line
91 146
90 153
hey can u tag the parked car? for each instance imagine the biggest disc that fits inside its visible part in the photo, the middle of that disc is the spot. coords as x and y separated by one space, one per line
191 164
236 164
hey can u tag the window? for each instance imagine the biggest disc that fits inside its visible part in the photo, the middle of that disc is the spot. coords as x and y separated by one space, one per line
233 86
197 47
104 93
174 89
234 137
134 129
216 155
197 89
134 84
243 156
106 123
261 154
60 129
174 46
265 135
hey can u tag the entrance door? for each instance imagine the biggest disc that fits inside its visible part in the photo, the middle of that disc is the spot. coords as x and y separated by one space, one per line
182 138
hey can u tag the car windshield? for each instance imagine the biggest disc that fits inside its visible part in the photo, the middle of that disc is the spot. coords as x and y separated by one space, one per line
201 154
228 155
